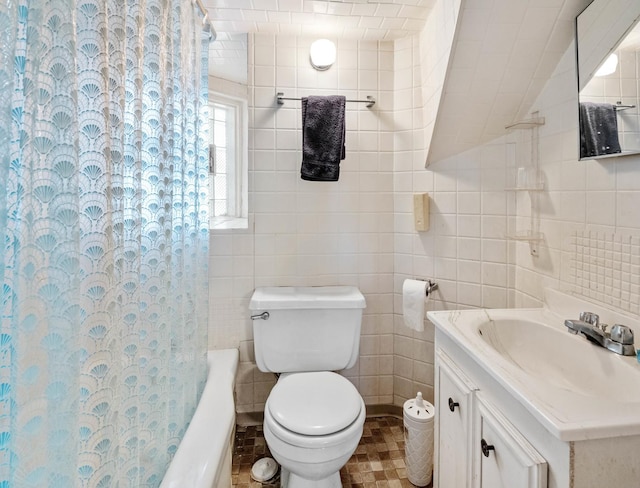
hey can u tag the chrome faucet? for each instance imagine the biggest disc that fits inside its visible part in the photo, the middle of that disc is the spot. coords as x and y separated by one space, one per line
620 340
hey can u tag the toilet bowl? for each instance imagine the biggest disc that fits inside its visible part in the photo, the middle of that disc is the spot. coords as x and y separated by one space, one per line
312 424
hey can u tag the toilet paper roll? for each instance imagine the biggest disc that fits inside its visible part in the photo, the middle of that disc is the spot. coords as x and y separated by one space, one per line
414 301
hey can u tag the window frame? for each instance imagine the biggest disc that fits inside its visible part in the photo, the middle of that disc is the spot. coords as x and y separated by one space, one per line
238 218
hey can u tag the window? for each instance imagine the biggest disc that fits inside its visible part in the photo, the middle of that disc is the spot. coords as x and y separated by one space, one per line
227 162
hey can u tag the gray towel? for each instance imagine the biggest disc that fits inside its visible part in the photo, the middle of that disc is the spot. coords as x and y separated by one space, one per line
598 130
323 135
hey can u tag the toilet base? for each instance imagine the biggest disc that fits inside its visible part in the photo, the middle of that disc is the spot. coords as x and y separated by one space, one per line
292 480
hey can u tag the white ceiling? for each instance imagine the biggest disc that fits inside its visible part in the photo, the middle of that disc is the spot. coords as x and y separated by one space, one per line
358 19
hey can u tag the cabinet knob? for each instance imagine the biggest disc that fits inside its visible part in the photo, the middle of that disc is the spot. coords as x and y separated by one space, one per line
486 448
452 404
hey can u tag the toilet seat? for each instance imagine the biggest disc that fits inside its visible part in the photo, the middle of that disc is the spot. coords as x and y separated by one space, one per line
314 403
311 443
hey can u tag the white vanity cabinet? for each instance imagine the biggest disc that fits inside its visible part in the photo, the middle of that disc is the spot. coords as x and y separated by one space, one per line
475 445
554 411
453 426
506 459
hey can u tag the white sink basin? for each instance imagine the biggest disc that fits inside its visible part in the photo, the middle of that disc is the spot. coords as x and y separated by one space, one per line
564 360
576 389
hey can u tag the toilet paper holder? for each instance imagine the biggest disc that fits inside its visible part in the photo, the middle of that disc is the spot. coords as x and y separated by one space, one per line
431 286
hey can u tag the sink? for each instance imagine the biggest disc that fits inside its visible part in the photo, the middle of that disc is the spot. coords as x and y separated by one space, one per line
562 359
576 389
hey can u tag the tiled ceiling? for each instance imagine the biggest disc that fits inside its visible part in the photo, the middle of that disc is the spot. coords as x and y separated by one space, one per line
359 19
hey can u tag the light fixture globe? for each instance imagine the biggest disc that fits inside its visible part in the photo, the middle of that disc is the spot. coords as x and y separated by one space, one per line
609 66
322 54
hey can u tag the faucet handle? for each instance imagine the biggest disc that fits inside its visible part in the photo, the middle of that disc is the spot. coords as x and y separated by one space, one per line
590 318
622 334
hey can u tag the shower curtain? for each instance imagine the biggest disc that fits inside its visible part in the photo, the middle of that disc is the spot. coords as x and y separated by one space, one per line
103 238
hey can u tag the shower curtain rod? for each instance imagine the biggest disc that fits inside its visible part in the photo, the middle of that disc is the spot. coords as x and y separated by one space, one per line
208 25
370 101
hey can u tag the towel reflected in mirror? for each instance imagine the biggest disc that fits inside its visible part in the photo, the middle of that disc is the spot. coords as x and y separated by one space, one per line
598 129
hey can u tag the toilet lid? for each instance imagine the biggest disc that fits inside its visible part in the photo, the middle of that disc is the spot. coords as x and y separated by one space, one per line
315 403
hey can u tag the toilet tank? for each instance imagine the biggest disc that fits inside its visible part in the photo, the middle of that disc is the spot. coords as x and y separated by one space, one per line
308 329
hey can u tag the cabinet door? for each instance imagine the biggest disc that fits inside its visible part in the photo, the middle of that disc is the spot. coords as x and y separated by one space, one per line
454 394
506 459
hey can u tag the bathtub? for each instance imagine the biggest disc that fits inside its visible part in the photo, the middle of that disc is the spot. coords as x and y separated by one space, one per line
203 459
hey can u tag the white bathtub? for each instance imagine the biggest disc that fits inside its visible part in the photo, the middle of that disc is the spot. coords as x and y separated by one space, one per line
203 459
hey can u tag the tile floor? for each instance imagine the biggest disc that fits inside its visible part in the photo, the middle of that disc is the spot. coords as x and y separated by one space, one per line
377 463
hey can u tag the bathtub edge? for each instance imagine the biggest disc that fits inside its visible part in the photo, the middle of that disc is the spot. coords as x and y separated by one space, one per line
200 458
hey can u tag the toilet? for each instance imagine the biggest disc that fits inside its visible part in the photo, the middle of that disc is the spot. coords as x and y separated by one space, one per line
313 417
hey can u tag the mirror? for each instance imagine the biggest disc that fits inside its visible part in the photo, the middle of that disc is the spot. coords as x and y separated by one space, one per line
608 57
228 149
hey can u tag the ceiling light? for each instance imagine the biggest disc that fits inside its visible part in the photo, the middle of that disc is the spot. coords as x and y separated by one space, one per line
322 54
609 66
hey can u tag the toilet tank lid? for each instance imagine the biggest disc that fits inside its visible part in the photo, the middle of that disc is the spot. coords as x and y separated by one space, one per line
306 297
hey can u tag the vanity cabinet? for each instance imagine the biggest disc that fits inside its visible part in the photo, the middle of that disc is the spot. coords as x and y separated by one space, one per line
506 459
453 425
476 446
557 411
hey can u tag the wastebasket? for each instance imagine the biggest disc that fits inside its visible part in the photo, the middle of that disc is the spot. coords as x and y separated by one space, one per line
418 440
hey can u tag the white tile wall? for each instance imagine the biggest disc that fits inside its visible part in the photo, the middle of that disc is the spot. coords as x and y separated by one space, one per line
606 267
588 195
360 230
228 57
313 233
464 251
582 197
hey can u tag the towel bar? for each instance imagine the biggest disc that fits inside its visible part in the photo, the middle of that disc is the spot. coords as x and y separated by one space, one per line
370 101
620 106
